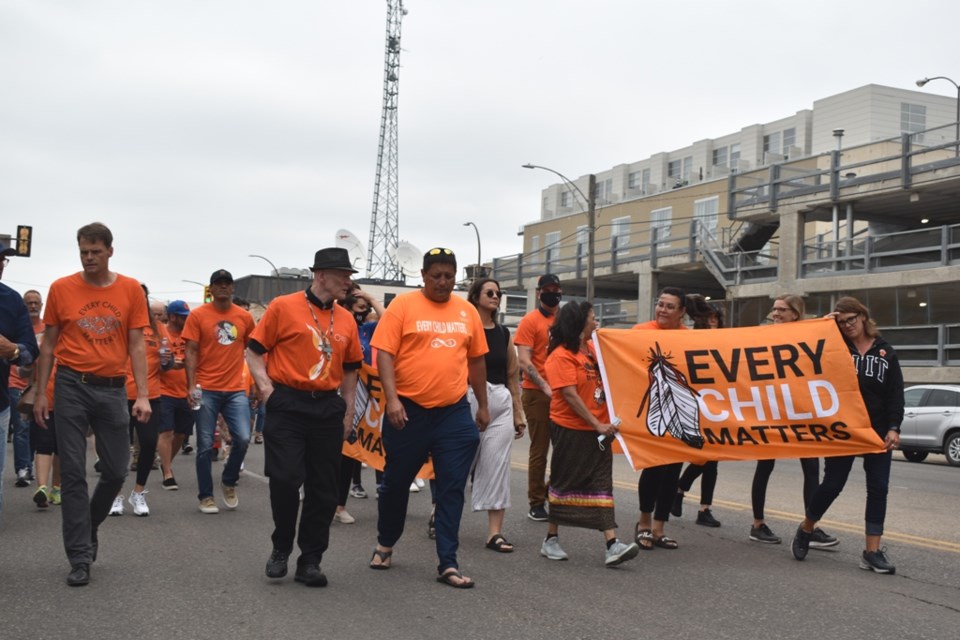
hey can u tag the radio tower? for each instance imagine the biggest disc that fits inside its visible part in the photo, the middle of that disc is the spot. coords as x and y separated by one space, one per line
384 221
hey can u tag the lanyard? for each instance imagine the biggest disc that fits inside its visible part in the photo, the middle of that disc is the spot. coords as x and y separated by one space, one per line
325 345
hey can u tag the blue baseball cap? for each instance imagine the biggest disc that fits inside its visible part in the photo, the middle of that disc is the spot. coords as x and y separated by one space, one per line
178 308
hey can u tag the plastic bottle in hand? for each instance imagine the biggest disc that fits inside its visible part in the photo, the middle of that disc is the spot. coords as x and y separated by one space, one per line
165 353
196 398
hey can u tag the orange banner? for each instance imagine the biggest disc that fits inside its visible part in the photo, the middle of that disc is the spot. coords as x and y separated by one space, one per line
777 391
368 446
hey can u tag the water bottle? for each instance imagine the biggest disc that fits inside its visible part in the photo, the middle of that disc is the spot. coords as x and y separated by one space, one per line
164 352
196 398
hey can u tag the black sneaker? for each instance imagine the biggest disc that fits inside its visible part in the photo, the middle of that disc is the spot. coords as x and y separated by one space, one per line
706 518
822 540
310 575
677 508
764 535
277 564
538 513
801 543
432 526
186 449
877 561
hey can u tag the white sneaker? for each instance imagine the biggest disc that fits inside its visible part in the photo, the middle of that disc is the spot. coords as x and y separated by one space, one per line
117 508
207 505
619 553
139 503
414 488
343 517
420 483
551 549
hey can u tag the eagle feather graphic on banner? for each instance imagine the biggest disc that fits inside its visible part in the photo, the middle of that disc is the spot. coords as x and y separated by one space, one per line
672 402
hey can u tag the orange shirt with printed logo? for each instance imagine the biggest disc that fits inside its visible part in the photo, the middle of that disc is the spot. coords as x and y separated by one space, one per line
430 342
294 339
221 337
95 323
152 342
173 382
567 369
533 331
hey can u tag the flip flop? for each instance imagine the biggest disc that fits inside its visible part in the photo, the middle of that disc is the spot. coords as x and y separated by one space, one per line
384 556
665 543
499 544
447 578
644 538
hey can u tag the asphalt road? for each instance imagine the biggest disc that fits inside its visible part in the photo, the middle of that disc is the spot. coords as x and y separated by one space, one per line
180 574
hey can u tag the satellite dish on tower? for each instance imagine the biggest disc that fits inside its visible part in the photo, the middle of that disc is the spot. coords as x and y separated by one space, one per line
346 240
408 257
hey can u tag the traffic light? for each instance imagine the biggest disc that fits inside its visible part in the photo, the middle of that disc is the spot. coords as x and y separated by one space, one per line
24 240
207 297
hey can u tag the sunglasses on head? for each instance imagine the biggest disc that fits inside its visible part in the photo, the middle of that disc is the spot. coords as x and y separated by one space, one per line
438 250
493 293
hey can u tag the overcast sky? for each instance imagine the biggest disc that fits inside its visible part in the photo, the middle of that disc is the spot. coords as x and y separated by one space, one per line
202 131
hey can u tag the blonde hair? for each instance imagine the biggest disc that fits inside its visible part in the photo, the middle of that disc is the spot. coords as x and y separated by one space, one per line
849 304
795 303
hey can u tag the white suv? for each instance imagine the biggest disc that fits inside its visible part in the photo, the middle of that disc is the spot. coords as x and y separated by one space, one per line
931 422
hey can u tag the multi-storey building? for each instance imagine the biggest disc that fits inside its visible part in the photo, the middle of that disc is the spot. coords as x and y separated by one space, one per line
859 195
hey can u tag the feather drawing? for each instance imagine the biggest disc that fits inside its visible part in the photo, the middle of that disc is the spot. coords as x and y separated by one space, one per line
671 402
318 370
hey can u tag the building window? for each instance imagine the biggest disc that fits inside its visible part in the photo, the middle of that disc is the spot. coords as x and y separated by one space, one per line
687 168
645 179
674 168
582 239
551 243
771 143
534 256
720 157
789 139
705 212
660 220
633 180
620 233
602 190
735 156
565 199
913 118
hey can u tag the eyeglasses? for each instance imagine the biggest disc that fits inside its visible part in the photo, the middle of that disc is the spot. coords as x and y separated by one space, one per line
848 322
781 309
491 293
438 250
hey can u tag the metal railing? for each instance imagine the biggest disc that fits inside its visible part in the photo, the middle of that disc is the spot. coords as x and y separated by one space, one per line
932 345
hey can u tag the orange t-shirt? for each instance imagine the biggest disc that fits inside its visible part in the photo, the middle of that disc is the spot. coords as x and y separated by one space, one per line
95 323
534 332
567 369
294 342
430 342
173 382
152 342
221 337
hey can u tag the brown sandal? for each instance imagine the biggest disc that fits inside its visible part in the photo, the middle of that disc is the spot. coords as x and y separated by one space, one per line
447 578
665 543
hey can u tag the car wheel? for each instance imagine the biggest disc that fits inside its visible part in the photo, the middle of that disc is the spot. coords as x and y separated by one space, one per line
915 456
951 449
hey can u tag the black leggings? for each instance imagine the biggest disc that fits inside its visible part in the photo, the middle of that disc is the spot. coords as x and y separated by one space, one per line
707 484
147 437
657 487
758 492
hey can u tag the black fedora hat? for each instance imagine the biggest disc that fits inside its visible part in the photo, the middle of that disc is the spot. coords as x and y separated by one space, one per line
332 258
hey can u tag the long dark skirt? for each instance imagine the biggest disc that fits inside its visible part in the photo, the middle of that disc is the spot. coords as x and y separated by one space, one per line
581 480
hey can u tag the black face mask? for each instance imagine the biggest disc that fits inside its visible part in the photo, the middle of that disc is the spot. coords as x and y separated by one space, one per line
550 298
361 316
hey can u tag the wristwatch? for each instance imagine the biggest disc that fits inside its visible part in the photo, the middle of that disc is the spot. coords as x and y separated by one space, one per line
16 354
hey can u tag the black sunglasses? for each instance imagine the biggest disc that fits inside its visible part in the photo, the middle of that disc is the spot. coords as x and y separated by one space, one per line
491 293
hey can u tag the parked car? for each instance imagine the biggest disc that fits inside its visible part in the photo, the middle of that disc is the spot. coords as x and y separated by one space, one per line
931 422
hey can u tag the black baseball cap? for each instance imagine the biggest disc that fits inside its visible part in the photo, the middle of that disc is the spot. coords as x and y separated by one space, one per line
547 280
220 274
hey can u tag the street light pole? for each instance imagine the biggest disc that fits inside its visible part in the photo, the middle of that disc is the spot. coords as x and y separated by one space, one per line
924 81
477 231
591 218
194 282
272 266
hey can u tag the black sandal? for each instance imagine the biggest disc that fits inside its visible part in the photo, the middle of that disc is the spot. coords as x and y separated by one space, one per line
447 578
384 559
644 538
665 543
499 544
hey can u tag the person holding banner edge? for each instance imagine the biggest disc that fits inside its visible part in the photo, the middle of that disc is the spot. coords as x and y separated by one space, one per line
581 472
881 385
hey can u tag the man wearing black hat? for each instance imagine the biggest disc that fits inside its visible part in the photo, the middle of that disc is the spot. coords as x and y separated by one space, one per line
532 338
215 335
314 353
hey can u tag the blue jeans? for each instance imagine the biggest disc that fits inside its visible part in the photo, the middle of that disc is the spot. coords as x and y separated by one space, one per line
4 425
236 413
448 434
876 467
21 434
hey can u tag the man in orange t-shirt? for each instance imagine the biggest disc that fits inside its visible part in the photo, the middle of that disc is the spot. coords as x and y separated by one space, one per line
215 335
430 343
94 322
176 416
314 352
532 338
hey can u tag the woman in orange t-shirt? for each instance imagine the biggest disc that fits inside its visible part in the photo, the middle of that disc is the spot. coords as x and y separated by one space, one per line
580 492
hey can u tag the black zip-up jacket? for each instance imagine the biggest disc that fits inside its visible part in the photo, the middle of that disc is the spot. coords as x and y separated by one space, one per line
881 385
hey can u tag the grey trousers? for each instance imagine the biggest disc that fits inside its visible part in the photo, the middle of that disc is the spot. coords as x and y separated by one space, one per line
77 407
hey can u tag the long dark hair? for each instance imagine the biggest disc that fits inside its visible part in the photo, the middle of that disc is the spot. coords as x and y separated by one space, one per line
473 296
566 329
701 311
